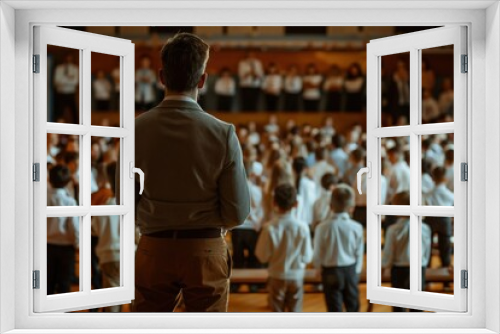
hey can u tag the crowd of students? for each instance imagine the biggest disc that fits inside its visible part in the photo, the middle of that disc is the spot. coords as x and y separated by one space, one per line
303 208
301 180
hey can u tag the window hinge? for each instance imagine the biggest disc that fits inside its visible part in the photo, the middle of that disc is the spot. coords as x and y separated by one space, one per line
36 172
36 279
464 279
36 63
464 172
465 64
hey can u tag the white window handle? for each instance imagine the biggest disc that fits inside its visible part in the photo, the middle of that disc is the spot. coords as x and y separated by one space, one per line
367 170
133 170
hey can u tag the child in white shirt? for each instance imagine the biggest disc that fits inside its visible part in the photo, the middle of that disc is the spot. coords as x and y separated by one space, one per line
396 253
107 229
441 196
285 244
339 251
321 207
62 234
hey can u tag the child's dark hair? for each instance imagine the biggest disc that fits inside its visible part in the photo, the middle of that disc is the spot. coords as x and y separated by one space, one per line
285 196
298 165
438 174
401 198
328 180
342 198
357 155
59 176
111 173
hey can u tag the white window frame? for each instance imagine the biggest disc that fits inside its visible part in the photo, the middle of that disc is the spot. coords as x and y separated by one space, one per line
414 44
85 43
483 102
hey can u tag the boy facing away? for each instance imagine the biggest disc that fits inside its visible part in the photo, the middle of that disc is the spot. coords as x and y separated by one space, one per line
396 253
285 244
338 251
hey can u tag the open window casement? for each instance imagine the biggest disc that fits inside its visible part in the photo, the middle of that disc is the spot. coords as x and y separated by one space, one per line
74 219
416 45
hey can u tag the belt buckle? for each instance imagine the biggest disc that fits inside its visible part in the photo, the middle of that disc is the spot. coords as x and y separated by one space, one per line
174 234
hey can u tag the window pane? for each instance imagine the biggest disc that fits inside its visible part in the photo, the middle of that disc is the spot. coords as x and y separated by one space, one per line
63 173
104 156
63 242
395 168
437 176
63 72
437 84
105 90
395 264
106 247
437 254
395 89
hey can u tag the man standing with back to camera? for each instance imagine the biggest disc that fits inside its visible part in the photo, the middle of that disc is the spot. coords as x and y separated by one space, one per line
195 189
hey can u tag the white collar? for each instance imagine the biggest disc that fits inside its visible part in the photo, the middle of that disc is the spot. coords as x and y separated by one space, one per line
179 97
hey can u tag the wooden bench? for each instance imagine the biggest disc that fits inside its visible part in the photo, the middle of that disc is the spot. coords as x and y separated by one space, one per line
255 276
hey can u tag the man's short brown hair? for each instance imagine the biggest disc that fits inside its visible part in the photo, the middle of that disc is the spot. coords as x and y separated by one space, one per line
183 59
342 198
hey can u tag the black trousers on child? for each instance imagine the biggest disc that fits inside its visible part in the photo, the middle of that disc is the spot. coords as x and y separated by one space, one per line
60 266
244 239
442 227
400 278
340 286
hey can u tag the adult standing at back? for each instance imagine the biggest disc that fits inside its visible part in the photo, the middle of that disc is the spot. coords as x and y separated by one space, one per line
195 189
251 73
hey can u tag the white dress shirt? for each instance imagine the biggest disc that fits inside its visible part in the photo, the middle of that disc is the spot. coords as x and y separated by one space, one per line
102 89
63 231
293 85
450 177
445 101
441 196
306 196
397 244
383 189
319 169
313 93
66 78
341 160
321 207
107 228
272 84
430 109
427 187
339 242
245 69
145 80
225 86
399 179
285 244
335 82
254 219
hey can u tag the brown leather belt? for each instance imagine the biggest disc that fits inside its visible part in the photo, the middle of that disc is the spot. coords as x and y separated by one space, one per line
187 234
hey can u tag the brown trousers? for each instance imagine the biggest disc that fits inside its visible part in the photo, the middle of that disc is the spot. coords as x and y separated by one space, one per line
198 270
285 295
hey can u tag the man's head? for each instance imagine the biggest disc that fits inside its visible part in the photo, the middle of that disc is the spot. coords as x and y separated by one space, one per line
184 58
342 199
285 197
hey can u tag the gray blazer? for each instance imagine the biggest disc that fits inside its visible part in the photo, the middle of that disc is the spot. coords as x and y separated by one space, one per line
193 166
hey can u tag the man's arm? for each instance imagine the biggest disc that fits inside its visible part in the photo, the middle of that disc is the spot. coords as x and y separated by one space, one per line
234 194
